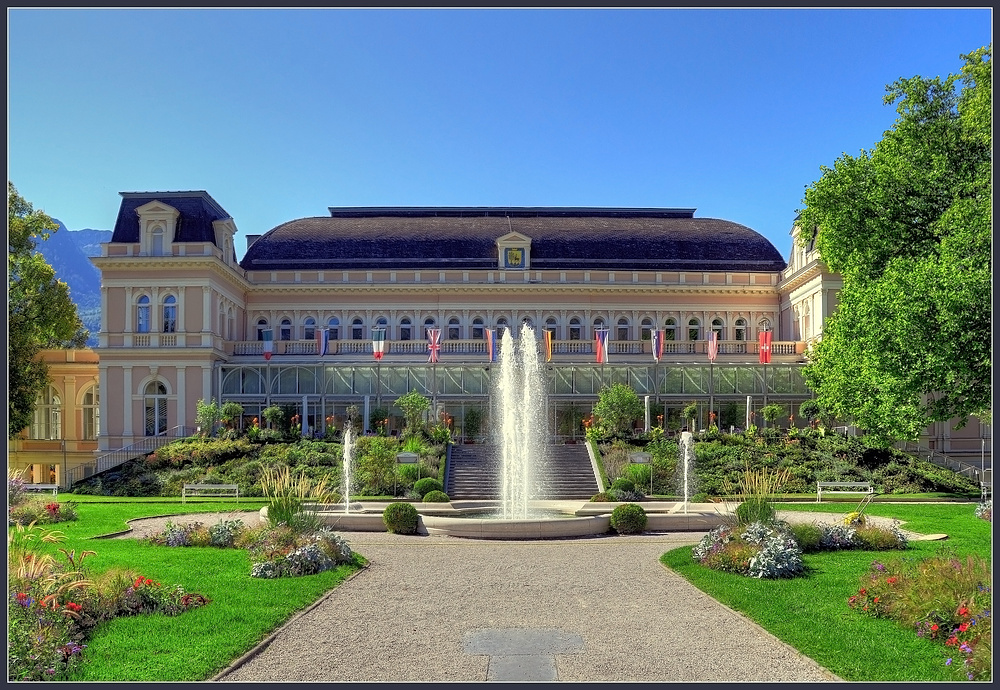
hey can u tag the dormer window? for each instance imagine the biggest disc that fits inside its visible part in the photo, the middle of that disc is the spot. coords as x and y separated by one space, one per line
156 243
514 251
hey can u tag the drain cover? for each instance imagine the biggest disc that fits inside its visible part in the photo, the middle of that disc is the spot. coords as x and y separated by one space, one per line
520 653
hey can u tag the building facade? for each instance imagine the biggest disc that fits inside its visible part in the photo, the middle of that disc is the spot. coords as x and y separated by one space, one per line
183 319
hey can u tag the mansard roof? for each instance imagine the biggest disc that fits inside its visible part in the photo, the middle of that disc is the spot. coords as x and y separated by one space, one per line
562 238
197 211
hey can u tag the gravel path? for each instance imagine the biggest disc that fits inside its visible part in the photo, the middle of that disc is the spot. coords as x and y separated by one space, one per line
411 614
416 613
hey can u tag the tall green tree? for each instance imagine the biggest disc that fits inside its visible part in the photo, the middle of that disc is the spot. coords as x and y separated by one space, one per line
909 227
39 310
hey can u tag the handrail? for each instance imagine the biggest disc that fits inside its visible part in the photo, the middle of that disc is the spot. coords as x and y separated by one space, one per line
940 459
129 452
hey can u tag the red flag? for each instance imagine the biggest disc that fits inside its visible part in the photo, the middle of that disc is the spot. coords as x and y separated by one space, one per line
764 346
601 337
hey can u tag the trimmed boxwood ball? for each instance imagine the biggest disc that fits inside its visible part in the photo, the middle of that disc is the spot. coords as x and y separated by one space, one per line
400 518
629 518
426 485
436 497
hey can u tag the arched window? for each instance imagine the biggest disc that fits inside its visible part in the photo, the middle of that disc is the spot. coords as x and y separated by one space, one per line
527 321
575 329
623 326
764 325
694 329
142 315
454 331
309 328
428 324
647 329
382 322
169 314
261 327
741 329
405 329
91 414
286 329
551 326
502 325
477 329
357 329
333 323
717 327
670 329
155 406
46 422
598 325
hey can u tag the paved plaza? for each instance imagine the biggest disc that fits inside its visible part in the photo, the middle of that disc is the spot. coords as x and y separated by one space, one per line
430 608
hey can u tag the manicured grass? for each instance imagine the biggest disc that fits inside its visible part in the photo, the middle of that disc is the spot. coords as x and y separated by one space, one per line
200 642
811 613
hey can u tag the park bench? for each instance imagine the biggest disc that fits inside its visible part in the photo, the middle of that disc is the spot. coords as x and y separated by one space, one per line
199 490
842 488
54 488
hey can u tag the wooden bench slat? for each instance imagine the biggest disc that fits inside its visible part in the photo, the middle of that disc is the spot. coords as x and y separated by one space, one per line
846 488
215 490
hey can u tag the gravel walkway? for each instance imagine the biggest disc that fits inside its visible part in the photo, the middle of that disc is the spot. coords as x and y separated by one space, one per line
605 606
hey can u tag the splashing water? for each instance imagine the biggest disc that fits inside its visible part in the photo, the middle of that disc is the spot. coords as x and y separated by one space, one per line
520 392
348 460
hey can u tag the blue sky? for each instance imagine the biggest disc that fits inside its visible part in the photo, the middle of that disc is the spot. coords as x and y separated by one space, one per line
279 114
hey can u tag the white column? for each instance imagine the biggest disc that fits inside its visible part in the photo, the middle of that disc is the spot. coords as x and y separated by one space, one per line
128 309
127 400
206 314
102 386
181 395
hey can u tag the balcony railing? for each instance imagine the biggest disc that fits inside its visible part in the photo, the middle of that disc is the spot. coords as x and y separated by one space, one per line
356 348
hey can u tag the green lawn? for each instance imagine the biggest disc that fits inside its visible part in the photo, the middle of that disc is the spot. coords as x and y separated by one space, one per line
198 643
811 613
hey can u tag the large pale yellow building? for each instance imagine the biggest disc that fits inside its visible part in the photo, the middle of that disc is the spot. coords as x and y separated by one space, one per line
183 319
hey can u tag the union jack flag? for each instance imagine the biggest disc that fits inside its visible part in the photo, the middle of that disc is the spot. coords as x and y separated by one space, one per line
713 345
601 338
658 344
434 344
491 344
764 342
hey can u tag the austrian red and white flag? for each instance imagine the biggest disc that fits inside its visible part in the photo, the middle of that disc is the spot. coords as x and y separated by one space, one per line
601 344
434 344
268 343
764 346
713 345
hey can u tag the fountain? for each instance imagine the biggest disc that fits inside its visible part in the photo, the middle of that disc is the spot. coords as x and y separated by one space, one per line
688 479
348 459
521 403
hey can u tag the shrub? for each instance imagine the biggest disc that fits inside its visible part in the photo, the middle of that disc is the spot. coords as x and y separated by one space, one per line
984 511
879 538
400 518
807 536
426 485
755 509
700 497
623 484
600 498
289 497
42 511
436 497
619 495
628 519
15 487
836 537
731 557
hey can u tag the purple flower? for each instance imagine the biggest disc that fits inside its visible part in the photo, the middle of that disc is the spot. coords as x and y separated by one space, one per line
948 663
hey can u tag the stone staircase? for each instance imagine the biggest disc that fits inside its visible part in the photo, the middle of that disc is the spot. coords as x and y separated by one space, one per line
565 474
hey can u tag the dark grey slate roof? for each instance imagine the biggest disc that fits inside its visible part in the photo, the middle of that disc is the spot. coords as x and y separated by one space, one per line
197 213
433 238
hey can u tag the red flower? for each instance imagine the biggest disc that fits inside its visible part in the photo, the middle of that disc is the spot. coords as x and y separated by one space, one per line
934 627
963 611
862 591
963 627
951 640
891 580
875 600
72 606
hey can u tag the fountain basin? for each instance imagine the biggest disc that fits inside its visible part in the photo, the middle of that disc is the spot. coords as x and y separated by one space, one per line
471 519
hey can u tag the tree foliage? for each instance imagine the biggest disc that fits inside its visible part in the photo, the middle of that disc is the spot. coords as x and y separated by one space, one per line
413 405
908 225
618 406
40 312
